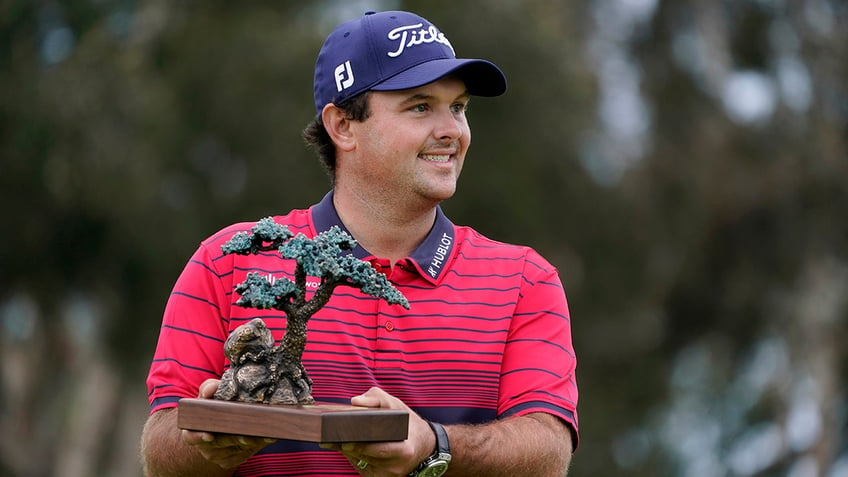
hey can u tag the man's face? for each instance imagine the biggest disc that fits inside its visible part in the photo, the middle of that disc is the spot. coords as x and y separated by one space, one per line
413 145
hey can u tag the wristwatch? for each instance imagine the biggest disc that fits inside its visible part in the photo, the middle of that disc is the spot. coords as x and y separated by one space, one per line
437 463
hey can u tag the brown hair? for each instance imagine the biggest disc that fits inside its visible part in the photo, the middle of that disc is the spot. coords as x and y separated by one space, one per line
316 137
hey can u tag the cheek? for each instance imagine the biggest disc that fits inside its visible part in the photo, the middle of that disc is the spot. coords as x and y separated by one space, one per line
465 138
373 143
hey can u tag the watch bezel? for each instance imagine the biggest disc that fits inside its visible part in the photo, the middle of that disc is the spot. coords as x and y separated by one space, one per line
435 466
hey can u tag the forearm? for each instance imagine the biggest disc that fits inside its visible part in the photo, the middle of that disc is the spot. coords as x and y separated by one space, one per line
537 445
165 454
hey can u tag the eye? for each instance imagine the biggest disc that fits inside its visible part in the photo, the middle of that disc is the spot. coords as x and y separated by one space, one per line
420 108
458 108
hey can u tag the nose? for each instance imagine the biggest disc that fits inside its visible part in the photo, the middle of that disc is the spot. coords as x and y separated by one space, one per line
449 126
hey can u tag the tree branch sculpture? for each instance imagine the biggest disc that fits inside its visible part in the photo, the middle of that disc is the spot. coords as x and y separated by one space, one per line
260 371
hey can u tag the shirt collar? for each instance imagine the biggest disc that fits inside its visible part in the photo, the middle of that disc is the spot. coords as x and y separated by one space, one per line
430 257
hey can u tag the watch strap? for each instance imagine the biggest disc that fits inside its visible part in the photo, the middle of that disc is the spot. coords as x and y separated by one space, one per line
442 442
440 457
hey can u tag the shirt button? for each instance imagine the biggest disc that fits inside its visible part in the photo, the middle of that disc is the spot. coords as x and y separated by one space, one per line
389 326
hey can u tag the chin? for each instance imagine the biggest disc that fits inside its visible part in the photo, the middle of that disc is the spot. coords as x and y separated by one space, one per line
435 197
444 196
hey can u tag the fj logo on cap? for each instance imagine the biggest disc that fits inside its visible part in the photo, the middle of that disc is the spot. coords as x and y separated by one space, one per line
412 35
344 76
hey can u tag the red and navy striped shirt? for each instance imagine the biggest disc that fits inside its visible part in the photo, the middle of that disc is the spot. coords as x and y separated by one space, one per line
487 336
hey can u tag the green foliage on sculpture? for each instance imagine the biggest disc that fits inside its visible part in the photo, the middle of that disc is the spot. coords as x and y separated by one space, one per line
260 371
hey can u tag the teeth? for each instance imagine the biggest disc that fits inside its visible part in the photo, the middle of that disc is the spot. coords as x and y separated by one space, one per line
435 157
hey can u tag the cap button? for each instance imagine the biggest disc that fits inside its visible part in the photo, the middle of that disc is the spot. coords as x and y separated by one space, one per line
370 12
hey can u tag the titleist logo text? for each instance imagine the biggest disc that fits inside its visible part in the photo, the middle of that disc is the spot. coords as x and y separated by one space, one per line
412 35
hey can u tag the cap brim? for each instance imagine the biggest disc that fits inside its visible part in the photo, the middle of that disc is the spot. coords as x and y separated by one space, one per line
481 77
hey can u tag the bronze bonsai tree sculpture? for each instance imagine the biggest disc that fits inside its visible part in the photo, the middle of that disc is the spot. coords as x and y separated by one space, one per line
260 371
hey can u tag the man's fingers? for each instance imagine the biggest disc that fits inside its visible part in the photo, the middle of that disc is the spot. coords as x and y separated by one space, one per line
208 388
377 398
369 399
196 438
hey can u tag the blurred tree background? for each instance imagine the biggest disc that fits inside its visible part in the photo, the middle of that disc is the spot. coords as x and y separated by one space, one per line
684 163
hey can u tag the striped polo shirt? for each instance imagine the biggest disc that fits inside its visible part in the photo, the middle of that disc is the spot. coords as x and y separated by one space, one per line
487 335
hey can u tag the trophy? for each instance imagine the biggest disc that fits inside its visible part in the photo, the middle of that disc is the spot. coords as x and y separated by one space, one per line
266 391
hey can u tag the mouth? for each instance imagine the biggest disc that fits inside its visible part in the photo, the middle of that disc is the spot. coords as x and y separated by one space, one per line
441 158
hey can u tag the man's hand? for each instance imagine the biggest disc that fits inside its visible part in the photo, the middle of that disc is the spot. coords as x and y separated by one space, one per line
225 450
388 458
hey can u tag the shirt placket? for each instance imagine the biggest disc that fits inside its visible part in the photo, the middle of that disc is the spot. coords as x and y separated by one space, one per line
387 349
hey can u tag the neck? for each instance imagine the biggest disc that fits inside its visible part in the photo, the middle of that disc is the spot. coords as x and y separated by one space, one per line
386 229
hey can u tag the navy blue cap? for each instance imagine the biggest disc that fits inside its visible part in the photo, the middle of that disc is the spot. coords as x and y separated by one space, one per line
390 51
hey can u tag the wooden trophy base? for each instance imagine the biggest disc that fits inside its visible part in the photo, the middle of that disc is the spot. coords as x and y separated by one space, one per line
312 423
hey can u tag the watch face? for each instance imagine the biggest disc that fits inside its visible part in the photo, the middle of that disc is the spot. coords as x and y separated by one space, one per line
434 469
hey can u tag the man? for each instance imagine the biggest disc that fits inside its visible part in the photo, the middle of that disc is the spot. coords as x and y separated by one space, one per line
483 360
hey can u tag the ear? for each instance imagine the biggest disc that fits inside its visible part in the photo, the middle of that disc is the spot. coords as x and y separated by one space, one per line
338 127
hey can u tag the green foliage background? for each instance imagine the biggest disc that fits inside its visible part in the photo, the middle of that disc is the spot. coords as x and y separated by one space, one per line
700 233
